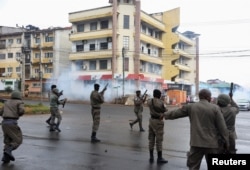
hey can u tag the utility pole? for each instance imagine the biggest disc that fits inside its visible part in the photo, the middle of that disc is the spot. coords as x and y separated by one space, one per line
123 71
41 76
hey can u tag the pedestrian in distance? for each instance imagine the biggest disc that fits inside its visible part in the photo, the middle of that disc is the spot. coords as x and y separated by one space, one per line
156 126
54 110
12 133
138 109
207 126
96 100
229 110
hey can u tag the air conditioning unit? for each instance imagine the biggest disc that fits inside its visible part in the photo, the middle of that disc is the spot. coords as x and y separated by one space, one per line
109 39
84 67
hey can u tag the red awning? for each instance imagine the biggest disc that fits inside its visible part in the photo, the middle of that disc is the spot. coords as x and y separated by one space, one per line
135 76
84 77
106 77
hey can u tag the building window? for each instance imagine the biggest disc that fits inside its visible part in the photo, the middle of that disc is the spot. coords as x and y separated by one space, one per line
35 84
37 55
144 29
92 65
18 55
79 48
48 55
80 28
10 41
91 47
19 41
126 21
126 64
37 40
104 24
104 45
10 55
150 31
103 64
2 56
37 70
49 39
48 70
93 26
18 69
9 69
126 42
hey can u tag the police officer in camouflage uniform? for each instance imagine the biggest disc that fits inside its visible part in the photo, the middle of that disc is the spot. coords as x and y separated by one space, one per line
11 111
156 126
138 109
54 110
207 126
96 99
229 110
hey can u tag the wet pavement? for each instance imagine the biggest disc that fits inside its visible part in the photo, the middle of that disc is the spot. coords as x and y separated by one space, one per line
120 148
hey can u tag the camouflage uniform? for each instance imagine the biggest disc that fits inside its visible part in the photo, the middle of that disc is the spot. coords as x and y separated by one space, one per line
96 99
54 110
229 110
156 127
207 125
11 111
138 109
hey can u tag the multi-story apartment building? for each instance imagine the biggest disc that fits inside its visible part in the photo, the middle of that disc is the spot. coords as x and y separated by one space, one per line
123 43
41 54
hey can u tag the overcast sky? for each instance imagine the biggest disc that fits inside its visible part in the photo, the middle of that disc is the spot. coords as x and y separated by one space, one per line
223 25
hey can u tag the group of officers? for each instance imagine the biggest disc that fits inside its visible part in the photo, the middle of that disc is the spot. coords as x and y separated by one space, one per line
212 126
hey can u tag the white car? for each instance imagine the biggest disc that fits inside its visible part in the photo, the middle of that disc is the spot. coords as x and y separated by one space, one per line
244 104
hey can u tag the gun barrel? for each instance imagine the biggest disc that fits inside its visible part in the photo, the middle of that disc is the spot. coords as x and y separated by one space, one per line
231 87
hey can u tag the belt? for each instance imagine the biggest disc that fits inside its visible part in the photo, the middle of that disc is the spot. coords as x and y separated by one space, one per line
10 118
96 107
155 117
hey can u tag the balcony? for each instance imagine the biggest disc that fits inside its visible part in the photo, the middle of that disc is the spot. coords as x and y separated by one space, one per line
90 14
91 55
152 21
91 35
183 53
151 40
149 59
183 67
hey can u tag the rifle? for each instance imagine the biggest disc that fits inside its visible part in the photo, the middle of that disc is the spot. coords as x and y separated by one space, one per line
143 97
231 89
105 88
63 102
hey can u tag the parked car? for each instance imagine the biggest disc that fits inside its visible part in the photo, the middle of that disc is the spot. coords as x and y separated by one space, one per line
244 104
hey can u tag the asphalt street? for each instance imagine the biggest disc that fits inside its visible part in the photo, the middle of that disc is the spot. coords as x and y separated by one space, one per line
120 148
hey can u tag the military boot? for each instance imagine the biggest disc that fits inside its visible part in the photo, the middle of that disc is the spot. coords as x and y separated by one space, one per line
160 159
57 127
151 156
94 139
8 153
5 158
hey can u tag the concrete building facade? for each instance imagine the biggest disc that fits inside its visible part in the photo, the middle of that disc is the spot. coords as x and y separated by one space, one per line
121 43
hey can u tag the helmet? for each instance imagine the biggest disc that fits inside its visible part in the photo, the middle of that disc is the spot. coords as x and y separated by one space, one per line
16 95
223 100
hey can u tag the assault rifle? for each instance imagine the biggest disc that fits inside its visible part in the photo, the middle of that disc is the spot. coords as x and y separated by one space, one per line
143 97
105 88
231 89
63 101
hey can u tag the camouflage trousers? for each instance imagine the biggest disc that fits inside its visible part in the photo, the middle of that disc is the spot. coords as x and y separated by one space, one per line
12 134
96 119
155 133
138 115
55 114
